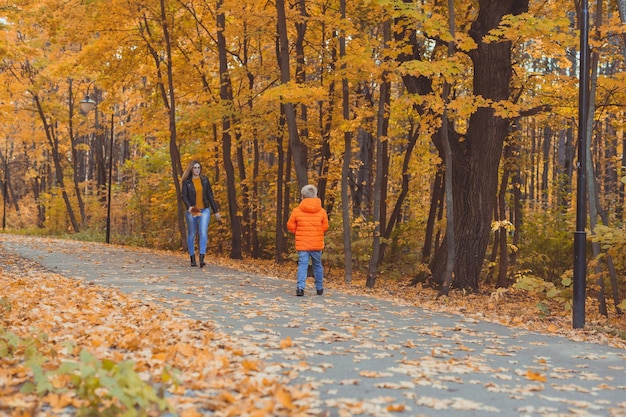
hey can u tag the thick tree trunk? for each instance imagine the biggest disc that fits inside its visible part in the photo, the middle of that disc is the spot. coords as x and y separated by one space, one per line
477 159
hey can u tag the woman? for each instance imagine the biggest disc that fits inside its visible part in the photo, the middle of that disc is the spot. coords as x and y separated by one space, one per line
198 198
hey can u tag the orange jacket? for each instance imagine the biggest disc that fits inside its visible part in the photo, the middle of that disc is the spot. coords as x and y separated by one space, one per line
309 221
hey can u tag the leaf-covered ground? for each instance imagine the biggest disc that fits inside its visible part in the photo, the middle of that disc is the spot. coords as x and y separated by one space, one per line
62 316
216 371
510 307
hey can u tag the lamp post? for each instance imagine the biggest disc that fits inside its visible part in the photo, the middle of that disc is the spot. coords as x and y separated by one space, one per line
580 236
4 185
86 105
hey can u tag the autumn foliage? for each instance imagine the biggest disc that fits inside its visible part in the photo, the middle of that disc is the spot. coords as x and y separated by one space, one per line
359 98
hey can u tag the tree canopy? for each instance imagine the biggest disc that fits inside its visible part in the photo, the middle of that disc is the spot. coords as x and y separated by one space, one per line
350 96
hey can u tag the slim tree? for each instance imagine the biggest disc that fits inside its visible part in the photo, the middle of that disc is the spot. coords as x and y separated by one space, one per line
298 149
226 97
53 142
380 183
171 106
449 169
347 157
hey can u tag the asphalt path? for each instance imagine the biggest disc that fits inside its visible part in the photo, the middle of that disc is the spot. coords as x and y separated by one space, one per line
364 356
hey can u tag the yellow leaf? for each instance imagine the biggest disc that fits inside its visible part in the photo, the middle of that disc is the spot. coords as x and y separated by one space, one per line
396 408
284 398
228 397
535 376
250 365
286 343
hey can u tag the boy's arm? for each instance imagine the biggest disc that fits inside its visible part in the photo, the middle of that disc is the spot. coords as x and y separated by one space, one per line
325 222
291 223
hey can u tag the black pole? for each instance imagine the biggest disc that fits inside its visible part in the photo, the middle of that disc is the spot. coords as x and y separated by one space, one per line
580 236
4 186
108 237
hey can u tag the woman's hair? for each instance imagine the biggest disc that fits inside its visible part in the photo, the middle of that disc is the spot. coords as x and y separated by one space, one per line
309 191
187 172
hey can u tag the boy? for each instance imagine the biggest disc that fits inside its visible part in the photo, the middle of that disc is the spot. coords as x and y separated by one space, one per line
309 222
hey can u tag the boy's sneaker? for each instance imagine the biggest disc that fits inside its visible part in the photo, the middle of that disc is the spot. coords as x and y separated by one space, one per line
320 292
299 292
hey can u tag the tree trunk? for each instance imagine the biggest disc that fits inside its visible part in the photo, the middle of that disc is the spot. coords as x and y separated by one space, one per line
503 266
446 138
326 127
281 241
436 199
300 78
347 158
79 197
405 32
56 157
253 201
476 160
255 209
177 169
225 94
298 149
380 182
547 145
518 221
619 213
621 4
97 149
404 190
245 218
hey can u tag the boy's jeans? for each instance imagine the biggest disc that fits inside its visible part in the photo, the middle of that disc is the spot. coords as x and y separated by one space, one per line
199 224
303 265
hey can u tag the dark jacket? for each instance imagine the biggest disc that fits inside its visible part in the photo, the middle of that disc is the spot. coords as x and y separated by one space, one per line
189 194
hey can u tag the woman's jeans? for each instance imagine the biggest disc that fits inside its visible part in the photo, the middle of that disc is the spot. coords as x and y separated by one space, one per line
198 224
303 266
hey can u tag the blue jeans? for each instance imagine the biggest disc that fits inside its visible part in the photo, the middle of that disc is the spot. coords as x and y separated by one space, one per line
200 225
303 266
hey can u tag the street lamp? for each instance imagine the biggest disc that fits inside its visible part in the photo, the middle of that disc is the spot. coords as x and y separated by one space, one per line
580 237
86 105
4 185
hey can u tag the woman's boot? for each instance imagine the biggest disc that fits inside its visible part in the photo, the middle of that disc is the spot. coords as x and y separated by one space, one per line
202 260
193 260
